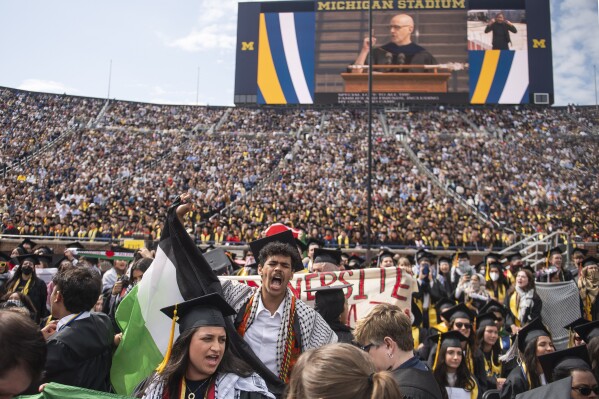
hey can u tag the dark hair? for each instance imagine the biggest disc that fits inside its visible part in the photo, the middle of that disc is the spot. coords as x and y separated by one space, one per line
18 274
179 361
463 375
282 249
593 347
471 339
80 287
559 374
501 281
531 281
529 357
496 349
27 303
21 344
141 264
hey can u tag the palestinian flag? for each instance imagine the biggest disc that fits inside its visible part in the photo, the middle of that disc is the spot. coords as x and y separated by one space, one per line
179 273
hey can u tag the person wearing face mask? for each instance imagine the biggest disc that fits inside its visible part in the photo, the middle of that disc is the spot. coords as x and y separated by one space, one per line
26 281
496 283
461 270
588 285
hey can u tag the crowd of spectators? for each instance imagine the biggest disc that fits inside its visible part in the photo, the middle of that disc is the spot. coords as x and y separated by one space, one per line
537 176
529 169
29 121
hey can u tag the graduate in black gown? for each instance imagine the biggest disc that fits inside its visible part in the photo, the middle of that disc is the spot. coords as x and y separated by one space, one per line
331 304
532 341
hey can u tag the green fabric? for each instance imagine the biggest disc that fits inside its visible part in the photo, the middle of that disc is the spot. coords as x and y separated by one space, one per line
59 391
137 343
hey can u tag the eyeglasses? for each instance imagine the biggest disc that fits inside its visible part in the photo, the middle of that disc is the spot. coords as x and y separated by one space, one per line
586 391
467 326
398 27
366 348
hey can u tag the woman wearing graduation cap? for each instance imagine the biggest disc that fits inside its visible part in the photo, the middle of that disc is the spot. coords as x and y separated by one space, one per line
588 285
462 320
331 304
487 336
199 364
532 341
26 281
450 369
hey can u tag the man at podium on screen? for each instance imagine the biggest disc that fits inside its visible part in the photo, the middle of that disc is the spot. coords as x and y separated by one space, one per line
399 51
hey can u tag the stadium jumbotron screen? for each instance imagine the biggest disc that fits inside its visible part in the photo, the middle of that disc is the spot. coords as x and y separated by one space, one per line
426 51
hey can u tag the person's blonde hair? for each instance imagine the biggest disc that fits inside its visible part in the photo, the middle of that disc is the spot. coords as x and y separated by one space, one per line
385 320
339 371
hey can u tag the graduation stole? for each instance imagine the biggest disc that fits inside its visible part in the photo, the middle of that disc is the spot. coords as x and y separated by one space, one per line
25 289
342 242
491 368
416 336
469 359
474 392
514 308
291 351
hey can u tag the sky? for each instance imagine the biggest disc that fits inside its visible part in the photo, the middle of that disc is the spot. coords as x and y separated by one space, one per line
158 47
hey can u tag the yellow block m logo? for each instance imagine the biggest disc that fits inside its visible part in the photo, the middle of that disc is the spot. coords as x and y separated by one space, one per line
538 43
249 46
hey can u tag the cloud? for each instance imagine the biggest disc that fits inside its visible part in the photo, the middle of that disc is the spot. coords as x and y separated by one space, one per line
575 28
46 86
215 36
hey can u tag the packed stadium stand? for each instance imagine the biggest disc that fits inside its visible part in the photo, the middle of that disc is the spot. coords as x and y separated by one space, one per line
442 177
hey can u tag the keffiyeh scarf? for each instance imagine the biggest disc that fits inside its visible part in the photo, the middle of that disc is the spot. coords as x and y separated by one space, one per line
313 330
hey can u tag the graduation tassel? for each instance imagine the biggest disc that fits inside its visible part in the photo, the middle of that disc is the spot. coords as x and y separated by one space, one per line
571 339
167 356
437 353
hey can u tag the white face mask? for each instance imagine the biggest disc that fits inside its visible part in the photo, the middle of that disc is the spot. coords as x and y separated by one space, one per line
494 276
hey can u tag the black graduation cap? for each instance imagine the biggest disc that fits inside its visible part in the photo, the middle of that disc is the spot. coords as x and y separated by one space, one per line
329 301
555 390
485 319
444 304
44 258
218 260
32 244
461 255
444 259
285 237
313 240
75 244
478 301
513 256
44 250
588 331
590 260
327 256
22 258
496 264
493 306
576 357
207 310
582 251
449 339
424 254
530 332
493 255
355 262
458 311
559 249
578 322
386 254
